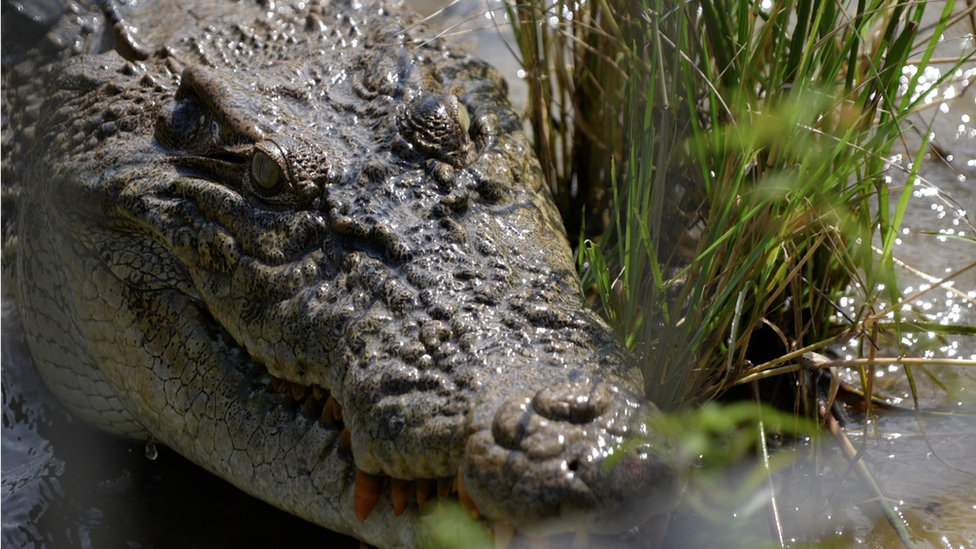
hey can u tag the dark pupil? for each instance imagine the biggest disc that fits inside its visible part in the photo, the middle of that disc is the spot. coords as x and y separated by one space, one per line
265 170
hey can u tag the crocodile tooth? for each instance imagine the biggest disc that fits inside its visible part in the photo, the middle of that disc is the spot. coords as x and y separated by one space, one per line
581 540
400 491
366 493
328 417
345 440
331 412
463 496
319 393
297 392
425 486
504 532
444 487
278 385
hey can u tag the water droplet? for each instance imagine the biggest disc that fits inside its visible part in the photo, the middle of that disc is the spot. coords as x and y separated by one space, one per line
151 452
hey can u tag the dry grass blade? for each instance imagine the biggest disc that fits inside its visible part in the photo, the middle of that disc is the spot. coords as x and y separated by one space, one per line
894 519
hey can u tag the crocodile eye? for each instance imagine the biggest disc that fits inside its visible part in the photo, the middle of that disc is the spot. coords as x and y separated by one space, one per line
265 171
269 169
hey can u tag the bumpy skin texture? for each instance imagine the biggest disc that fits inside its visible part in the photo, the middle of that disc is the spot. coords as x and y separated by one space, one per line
201 198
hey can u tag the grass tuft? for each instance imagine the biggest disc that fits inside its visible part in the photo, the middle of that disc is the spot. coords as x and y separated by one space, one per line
737 166
727 167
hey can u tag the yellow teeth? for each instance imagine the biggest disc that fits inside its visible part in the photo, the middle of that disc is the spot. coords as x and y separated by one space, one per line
331 412
314 400
504 532
400 492
326 415
278 385
366 494
463 496
345 440
368 489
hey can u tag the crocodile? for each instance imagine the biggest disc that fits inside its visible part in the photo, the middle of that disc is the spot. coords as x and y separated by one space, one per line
306 245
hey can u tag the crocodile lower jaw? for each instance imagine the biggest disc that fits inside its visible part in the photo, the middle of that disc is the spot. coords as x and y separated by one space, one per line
370 490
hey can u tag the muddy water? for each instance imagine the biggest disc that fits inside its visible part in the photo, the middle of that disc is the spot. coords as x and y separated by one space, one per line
929 470
925 465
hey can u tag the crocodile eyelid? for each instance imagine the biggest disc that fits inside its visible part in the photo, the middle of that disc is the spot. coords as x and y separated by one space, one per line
200 83
464 119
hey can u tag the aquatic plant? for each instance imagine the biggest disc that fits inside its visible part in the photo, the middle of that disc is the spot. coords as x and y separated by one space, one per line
731 169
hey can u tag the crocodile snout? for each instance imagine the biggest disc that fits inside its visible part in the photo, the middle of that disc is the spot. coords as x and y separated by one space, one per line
572 456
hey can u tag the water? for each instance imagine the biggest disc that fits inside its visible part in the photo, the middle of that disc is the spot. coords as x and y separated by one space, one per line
929 475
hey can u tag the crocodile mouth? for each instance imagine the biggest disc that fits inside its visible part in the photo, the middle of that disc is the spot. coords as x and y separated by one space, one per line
318 402
649 486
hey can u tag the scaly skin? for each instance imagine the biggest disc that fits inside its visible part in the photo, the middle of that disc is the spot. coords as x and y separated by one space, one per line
238 210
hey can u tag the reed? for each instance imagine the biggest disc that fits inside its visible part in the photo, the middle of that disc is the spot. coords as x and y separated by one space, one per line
727 163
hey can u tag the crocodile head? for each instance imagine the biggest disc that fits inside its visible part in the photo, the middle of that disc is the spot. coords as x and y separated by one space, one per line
326 254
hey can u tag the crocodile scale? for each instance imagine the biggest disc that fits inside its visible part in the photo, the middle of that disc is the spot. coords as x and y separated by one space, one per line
307 246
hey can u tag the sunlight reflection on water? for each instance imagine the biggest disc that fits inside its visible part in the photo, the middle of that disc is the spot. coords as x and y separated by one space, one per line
922 468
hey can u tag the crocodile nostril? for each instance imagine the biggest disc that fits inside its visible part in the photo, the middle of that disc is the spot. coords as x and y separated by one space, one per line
510 421
576 402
